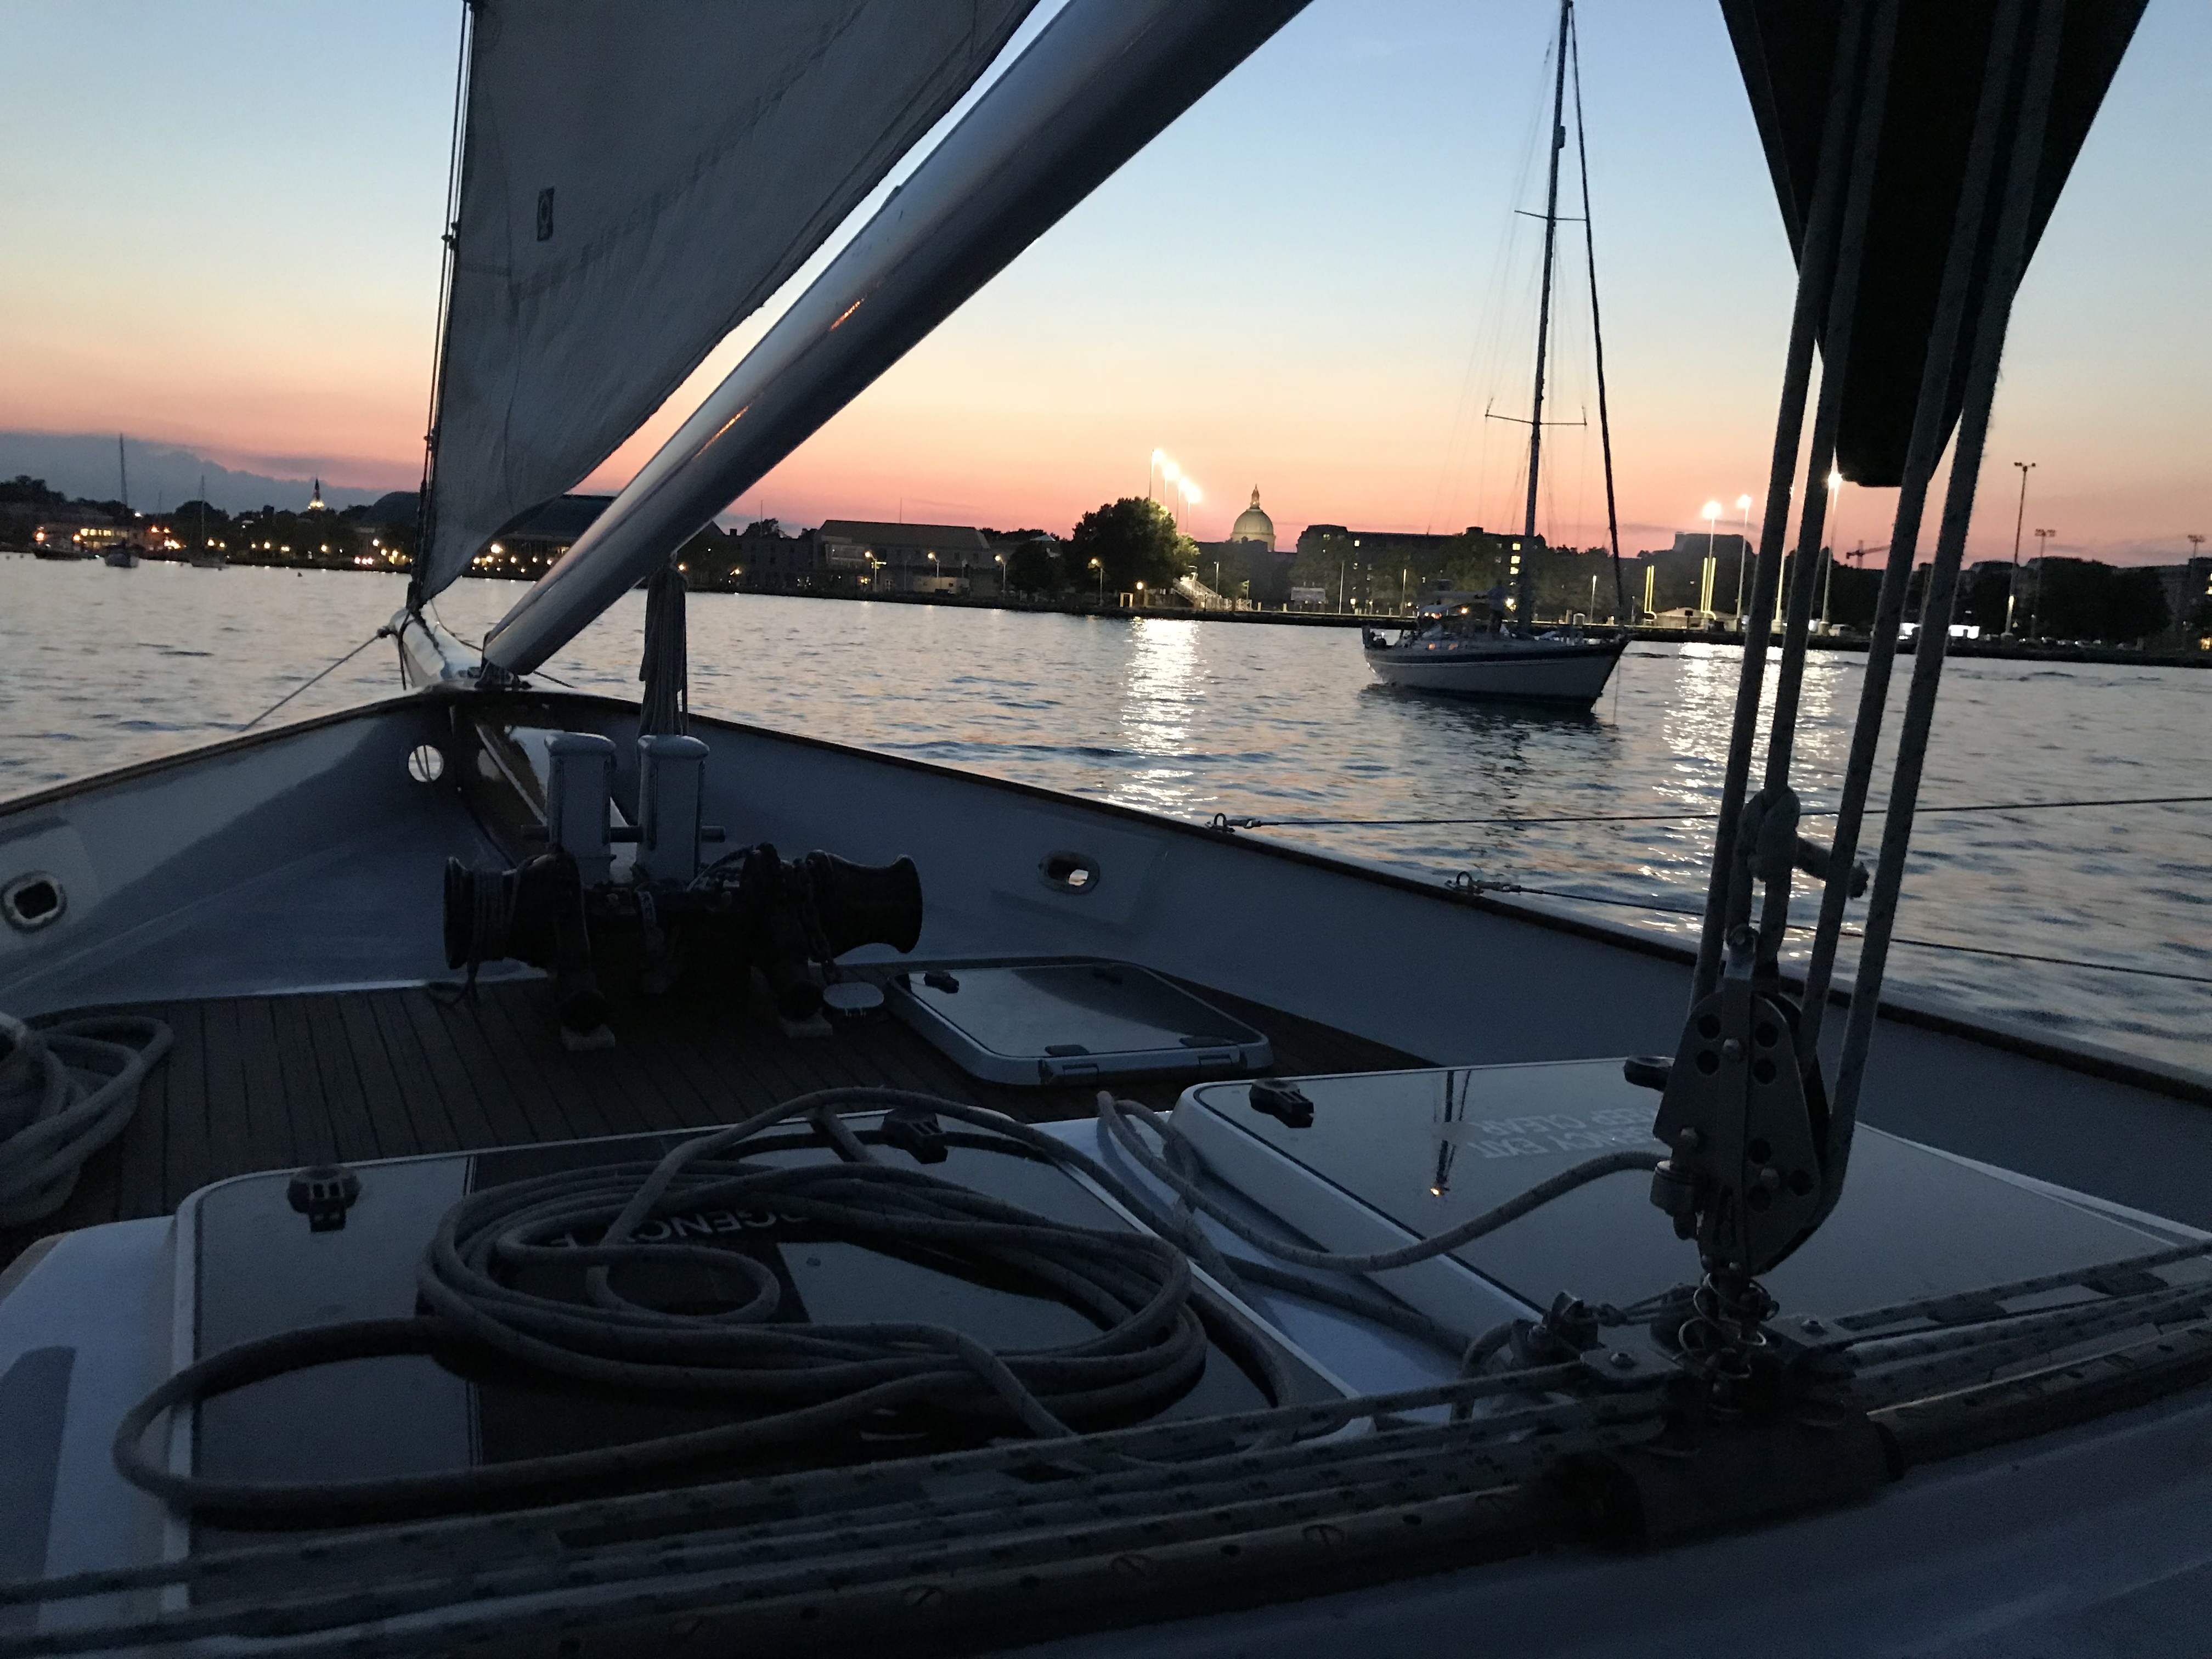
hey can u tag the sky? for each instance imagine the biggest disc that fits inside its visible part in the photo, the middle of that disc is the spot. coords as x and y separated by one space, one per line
1316 282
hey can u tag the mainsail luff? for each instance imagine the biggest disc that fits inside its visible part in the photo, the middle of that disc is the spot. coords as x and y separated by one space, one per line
426 496
635 180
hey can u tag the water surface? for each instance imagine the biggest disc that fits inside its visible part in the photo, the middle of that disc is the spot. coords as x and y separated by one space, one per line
101 667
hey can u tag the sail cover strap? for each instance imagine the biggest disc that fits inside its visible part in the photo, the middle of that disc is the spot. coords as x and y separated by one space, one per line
637 177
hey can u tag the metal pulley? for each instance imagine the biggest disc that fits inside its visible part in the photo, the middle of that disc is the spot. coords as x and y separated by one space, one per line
1744 1176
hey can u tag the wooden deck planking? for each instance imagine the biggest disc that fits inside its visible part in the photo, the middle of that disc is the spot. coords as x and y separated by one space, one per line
432 1082
139 1157
264 1083
185 1151
339 1070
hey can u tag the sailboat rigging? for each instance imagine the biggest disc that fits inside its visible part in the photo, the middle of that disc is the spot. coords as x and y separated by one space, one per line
125 555
705 1337
1488 646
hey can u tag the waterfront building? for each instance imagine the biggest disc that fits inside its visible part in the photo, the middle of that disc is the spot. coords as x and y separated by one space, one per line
905 558
79 531
761 559
2188 590
1248 565
532 545
1388 571
1252 525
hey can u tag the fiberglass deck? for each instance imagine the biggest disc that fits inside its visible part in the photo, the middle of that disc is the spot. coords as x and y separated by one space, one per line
276 1082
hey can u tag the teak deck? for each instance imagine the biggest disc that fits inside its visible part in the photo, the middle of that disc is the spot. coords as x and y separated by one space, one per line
274 1082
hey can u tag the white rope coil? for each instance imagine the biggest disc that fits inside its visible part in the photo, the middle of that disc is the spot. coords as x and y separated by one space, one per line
66 1090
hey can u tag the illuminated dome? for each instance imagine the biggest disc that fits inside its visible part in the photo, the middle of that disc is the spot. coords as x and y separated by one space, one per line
1254 526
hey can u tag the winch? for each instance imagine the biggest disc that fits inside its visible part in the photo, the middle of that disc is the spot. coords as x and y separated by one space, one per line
603 931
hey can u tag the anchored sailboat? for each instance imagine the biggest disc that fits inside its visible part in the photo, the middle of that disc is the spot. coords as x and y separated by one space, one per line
1490 646
125 555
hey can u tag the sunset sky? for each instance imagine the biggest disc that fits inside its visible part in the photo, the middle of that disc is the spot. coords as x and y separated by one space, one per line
223 227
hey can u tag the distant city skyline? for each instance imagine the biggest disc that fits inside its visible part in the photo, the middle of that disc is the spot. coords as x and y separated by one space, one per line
1314 282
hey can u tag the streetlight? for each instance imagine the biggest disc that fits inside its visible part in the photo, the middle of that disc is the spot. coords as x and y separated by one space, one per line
1101 569
1712 517
1000 559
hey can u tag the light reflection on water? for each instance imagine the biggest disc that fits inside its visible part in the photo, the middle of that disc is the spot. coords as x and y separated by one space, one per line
100 667
1161 689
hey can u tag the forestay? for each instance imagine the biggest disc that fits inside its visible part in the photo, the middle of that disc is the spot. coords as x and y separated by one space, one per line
636 179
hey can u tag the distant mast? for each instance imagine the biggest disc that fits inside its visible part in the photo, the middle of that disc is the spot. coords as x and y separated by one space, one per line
122 471
1526 606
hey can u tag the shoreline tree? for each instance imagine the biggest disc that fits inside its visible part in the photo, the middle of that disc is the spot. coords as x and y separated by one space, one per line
1135 540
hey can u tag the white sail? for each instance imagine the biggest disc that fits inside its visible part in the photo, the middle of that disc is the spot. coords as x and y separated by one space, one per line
637 177
1094 87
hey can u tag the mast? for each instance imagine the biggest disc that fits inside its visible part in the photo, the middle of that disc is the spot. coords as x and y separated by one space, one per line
425 512
1597 337
1526 608
122 471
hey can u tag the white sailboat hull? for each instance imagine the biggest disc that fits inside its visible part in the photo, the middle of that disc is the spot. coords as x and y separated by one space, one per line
1570 673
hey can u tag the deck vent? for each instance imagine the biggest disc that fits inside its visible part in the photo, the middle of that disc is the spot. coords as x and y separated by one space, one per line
32 901
1070 872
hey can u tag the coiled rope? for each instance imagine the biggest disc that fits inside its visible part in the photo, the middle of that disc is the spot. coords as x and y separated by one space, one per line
796 1381
66 1090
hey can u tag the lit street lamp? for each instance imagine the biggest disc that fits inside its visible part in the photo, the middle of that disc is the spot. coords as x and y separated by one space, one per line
1000 559
1101 569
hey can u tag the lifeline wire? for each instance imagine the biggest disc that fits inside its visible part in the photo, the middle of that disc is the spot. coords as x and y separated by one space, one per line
381 633
1849 933
1225 821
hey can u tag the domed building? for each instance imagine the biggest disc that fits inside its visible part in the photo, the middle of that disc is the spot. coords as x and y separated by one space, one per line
1254 526
1248 566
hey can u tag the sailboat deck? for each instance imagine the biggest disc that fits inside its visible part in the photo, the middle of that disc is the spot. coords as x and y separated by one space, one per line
274 1082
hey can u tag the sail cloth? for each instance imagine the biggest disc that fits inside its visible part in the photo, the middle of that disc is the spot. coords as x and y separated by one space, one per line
1786 49
1094 87
637 177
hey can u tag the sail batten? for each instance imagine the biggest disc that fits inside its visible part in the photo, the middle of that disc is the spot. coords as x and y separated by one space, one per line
636 179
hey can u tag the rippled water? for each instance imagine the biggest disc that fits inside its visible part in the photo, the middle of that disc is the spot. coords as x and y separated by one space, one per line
100 667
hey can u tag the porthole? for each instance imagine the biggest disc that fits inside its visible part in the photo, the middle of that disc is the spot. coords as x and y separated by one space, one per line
32 901
426 763
1069 872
